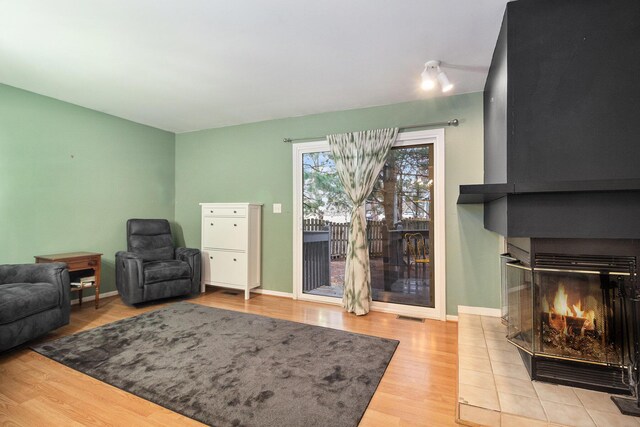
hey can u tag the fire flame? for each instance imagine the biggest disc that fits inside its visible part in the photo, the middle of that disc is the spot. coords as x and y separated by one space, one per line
561 302
561 309
577 310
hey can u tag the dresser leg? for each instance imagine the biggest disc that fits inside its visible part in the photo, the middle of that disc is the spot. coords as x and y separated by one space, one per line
247 294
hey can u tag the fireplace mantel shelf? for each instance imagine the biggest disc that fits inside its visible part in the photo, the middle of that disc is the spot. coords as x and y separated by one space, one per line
483 193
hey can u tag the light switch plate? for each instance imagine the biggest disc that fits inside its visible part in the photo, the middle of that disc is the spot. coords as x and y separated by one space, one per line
277 208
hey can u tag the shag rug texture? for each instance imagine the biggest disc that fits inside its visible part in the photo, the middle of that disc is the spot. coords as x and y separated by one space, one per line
226 368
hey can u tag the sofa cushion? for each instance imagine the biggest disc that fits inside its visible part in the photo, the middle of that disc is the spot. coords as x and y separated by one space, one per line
162 271
20 300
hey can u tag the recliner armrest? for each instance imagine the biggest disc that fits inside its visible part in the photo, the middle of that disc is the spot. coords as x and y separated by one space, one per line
129 255
129 264
192 257
184 253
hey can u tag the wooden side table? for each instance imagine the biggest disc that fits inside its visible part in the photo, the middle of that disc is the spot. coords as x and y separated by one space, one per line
78 261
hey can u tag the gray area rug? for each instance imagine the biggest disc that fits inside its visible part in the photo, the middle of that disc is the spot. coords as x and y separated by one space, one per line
226 368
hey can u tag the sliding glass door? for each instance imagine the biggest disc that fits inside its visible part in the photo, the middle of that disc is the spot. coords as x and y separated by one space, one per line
401 220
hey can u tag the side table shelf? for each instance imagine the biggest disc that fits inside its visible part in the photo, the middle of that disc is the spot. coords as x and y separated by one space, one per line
78 261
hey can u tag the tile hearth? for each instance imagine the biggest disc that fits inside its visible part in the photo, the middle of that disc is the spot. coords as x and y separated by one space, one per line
494 388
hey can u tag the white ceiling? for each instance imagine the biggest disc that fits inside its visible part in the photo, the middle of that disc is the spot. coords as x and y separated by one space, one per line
184 65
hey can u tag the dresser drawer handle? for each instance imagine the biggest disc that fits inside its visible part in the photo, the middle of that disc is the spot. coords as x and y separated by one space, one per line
210 257
234 259
211 223
235 225
235 212
211 211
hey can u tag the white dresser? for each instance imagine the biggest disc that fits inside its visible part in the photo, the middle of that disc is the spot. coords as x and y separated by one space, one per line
231 245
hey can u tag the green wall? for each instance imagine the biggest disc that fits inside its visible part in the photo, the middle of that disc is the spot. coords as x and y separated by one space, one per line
70 177
250 163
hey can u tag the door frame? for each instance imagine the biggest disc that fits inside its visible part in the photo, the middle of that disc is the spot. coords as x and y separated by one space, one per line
432 136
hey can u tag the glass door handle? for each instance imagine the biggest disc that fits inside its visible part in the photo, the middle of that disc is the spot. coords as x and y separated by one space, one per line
508 257
518 265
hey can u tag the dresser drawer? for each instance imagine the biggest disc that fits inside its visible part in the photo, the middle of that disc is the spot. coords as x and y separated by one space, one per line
235 212
82 264
224 233
228 267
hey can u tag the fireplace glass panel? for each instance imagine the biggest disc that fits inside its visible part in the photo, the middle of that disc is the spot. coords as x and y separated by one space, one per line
574 316
504 294
520 302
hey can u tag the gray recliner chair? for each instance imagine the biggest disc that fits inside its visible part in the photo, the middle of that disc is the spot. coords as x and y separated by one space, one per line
34 299
152 268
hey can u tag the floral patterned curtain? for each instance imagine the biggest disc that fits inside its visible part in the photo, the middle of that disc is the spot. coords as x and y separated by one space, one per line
359 157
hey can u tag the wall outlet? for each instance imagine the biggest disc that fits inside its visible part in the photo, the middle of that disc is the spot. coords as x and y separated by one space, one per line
277 208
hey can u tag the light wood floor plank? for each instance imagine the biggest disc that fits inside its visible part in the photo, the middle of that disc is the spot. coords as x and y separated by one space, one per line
418 389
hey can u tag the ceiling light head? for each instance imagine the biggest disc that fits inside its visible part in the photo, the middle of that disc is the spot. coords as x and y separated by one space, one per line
431 73
428 82
445 84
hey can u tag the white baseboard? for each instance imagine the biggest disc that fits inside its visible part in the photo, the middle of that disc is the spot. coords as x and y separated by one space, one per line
272 293
401 310
482 311
452 318
93 297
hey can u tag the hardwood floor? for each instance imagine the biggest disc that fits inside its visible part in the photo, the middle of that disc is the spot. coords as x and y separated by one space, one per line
418 388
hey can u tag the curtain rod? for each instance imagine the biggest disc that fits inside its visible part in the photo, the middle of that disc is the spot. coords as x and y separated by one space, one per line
453 122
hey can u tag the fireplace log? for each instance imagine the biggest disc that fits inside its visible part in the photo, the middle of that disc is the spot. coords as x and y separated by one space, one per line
569 324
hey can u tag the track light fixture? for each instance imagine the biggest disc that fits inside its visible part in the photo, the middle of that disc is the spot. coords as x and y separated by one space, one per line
431 73
428 82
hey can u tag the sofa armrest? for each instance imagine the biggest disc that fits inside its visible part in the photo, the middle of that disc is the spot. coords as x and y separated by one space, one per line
194 259
31 273
55 273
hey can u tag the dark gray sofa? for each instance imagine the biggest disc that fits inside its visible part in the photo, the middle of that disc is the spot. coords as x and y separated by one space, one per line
34 299
152 268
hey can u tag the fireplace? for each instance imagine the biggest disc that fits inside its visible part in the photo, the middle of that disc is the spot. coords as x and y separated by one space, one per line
568 207
565 312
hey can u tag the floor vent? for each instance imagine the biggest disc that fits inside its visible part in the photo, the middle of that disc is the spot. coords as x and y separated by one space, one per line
413 319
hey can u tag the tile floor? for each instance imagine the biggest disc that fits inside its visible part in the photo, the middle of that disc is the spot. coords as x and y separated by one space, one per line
494 388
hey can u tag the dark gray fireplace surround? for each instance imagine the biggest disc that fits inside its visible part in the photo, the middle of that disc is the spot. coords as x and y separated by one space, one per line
562 160
562 122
